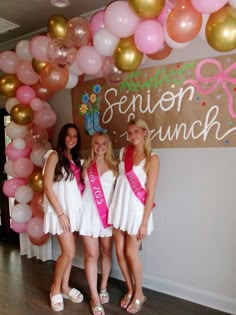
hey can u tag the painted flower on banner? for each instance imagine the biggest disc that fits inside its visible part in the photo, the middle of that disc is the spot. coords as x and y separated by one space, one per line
91 102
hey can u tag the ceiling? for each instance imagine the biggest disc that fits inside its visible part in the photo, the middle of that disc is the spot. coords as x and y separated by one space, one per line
32 16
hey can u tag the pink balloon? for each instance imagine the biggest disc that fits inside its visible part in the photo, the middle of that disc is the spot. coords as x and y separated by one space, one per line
168 6
14 154
149 36
10 186
36 104
208 6
8 62
26 73
19 227
23 167
97 21
88 60
45 118
35 227
8 168
38 47
25 94
120 20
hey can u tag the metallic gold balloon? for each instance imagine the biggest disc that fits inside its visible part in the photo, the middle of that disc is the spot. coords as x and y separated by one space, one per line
57 26
36 180
146 9
127 57
38 65
21 114
221 29
9 83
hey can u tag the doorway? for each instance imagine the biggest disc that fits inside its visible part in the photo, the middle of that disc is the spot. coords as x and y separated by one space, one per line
6 233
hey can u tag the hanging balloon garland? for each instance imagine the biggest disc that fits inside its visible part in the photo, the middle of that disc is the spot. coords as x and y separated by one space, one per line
115 41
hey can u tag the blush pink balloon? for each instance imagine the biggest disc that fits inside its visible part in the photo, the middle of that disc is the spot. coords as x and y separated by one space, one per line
120 20
208 6
36 104
88 60
97 21
38 47
10 186
19 227
14 154
35 227
23 167
149 36
45 118
8 62
168 6
25 94
26 73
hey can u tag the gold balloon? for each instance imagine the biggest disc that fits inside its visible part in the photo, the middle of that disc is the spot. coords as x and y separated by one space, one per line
9 83
57 26
38 65
36 180
147 9
221 29
127 57
21 114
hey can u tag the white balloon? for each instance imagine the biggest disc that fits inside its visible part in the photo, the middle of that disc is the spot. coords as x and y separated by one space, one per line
18 144
21 213
24 194
15 131
37 156
8 168
72 81
10 103
232 3
75 69
105 42
23 50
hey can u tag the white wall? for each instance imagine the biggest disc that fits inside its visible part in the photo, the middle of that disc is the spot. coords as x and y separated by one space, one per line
192 251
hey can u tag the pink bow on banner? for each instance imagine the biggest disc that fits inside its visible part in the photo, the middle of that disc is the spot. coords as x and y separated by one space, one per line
221 77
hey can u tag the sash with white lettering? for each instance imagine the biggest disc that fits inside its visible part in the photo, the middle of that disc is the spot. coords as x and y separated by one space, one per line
75 169
98 194
133 180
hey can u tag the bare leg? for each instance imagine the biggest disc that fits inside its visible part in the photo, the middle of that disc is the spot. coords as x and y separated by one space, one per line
65 288
132 250
120 241
106 252
67 244
91 249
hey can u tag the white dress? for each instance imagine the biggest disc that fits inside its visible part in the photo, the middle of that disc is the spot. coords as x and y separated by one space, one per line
126 210
90 222
69 197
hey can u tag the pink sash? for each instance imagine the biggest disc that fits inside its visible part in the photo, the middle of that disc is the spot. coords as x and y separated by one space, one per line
76 172
133 180
98 194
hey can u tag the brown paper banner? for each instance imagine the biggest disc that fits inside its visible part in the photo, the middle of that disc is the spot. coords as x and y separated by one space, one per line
188 104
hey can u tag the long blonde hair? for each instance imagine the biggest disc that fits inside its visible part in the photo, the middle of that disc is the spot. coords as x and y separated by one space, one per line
147 141
109 157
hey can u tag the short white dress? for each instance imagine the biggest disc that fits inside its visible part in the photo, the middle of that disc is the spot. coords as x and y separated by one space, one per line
90 223
126 210
69 197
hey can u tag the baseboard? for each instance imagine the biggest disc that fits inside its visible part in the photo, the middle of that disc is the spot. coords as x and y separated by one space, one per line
180 290
196 295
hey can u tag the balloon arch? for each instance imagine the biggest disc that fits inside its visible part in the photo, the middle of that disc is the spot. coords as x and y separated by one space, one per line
115 40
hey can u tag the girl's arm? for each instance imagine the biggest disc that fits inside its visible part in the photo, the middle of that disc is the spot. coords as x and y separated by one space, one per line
151 183
49 192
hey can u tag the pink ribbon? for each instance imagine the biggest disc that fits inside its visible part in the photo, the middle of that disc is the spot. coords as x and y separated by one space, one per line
98 194
76 172
133 180
221 77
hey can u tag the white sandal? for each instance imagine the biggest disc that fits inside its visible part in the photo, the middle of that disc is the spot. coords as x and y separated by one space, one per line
57 304
74 296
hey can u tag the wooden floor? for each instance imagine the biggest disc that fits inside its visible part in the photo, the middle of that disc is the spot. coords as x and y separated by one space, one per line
25 283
